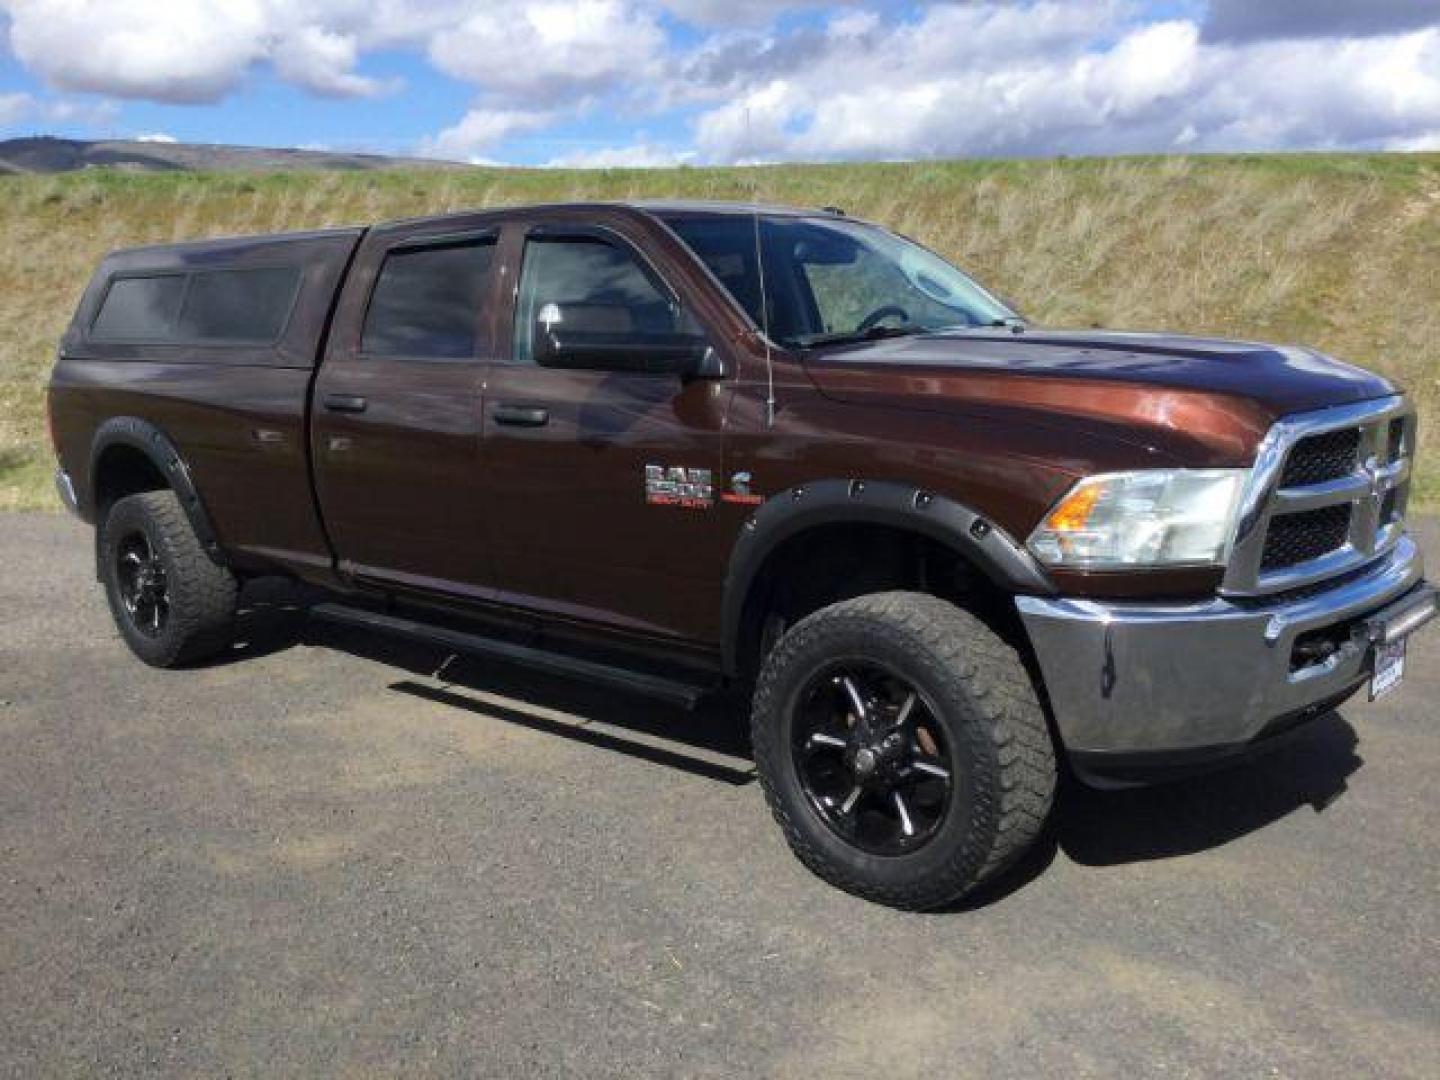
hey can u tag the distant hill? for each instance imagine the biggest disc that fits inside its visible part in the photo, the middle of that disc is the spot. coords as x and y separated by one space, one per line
47 155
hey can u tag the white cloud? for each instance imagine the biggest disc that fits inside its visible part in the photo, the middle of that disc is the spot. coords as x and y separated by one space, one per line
636 156
1364 93
1429 142
199 51
753 127
550 50
1246 20
22 108
154 49
157 137
191 52
14 108
1075 78
721 13
323 61
480 130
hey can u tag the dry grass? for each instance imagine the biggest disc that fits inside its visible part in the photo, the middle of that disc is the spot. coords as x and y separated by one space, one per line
1337 251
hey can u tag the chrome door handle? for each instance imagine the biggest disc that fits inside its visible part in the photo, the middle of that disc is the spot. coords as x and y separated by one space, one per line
521 415
345 402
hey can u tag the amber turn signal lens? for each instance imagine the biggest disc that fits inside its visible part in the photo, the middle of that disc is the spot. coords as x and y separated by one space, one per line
1074 513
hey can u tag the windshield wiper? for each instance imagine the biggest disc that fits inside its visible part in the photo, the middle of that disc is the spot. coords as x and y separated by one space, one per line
850 337
1014 323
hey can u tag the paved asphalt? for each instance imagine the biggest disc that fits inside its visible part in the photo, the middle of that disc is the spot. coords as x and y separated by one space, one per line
319 858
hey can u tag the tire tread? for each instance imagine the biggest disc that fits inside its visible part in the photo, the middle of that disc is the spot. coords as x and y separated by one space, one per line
203 594
1010 811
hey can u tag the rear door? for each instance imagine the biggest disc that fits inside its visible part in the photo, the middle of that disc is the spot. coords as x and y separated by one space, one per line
603 481
397 411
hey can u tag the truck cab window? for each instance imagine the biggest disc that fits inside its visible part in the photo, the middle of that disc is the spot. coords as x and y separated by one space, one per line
592 290
426 303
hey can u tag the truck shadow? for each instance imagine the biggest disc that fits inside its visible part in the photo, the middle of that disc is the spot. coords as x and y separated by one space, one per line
645 732
272 616
709 742
1309 768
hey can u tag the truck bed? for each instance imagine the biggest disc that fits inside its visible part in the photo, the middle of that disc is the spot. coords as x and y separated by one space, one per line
176 337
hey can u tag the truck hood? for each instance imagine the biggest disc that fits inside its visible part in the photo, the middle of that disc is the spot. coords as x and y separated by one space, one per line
1198 401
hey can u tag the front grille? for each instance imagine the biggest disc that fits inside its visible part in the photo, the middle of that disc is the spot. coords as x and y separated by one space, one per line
1297 538
1327 498
1315 588
1319 458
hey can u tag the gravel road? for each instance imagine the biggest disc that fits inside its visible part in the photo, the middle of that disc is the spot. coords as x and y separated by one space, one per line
320 858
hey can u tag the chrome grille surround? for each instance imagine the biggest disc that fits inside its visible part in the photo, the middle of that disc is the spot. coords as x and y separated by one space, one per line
1378 485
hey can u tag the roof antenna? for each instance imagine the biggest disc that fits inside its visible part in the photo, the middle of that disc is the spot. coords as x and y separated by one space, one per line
764 298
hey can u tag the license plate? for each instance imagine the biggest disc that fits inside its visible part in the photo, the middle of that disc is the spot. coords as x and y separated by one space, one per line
1389 668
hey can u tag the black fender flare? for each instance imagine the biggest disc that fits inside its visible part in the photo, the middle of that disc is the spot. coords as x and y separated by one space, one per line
148 439
967 532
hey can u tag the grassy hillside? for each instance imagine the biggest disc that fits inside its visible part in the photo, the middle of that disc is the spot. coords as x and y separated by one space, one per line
1338 251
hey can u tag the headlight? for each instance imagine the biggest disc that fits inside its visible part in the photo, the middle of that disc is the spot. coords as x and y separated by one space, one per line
1159 517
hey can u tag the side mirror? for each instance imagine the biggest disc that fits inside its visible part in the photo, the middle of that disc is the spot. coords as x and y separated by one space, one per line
583 339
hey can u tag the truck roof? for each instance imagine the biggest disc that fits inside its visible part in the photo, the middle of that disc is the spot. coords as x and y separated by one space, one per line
649 206
221 242
721 206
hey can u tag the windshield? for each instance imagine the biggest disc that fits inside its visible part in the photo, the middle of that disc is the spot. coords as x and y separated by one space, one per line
829 280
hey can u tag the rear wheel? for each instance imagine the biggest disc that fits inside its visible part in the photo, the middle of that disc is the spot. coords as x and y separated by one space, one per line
902 748
171 602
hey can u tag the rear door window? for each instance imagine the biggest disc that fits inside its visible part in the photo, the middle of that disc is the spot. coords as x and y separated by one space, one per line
427 302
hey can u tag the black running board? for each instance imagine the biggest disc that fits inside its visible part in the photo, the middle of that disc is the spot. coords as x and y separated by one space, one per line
681 694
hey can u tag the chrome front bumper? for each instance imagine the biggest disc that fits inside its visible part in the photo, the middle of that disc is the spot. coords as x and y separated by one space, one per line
1138 681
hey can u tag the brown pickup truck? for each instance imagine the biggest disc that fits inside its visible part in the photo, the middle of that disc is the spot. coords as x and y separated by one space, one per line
677 448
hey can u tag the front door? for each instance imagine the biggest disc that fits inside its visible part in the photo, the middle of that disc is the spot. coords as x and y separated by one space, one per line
398 414
602 478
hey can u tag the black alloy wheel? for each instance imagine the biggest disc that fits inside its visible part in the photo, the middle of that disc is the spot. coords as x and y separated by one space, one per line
141 580
871 758
902 747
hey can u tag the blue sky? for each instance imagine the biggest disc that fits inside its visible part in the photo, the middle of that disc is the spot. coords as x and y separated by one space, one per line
599 82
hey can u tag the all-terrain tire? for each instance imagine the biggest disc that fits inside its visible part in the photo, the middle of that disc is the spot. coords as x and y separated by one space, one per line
201 596
982 696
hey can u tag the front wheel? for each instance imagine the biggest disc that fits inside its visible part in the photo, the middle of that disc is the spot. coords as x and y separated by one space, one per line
171 602
902 748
